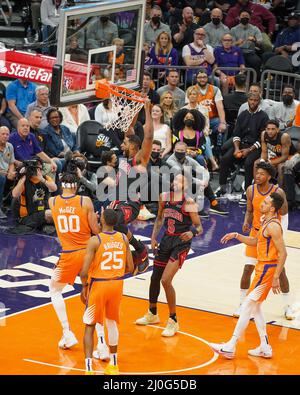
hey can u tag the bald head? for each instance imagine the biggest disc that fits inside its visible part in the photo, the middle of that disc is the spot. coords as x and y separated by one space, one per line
187 15
216 13
23 127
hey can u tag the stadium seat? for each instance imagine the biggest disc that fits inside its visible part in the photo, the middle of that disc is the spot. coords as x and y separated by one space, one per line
294 133
279 63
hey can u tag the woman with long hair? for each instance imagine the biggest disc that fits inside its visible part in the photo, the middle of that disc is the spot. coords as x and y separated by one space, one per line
168 106
163 53
192 97
104 113
162 131
189 128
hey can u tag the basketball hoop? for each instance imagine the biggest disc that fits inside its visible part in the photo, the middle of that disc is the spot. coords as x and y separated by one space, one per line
126 103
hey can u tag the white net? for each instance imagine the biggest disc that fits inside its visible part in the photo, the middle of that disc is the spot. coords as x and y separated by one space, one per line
124 105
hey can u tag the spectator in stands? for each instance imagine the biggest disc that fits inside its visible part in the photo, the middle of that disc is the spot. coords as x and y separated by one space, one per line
276 148
120 54
26 145
59 139
291 177
162 131
183 31
197 53
211 97
192 97
249 38
215 30
178 161
228 55
104 112
7 167
101 32
3 107
19 94
168 106
154 27
284 111
42 102
172 86
148 91
262 18
148 61
245 145
50 10
233 101
265 104
74 115
163 53
35 6
35 120
224 5
77 54
189 126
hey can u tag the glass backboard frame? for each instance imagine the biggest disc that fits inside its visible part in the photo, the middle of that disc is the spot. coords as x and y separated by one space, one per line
105 7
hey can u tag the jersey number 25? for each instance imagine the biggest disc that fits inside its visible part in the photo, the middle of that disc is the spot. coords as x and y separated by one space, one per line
112 257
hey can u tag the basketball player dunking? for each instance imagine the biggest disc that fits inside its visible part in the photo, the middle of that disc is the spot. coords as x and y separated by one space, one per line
181 212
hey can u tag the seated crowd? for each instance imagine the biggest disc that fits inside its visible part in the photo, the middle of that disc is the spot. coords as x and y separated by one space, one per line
213 122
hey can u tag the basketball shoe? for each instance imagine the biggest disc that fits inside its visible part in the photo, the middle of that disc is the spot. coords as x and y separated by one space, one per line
145 214
101 352
148 319
288 313
111 370
68 340
171 328
223 349
143 258
262 351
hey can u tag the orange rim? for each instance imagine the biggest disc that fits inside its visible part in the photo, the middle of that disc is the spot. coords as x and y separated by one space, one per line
105 89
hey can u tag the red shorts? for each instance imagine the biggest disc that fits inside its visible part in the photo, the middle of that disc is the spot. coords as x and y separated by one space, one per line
262 282
104 299
68 266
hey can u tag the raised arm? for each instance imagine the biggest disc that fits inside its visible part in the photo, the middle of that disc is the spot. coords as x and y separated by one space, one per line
157 225
144 153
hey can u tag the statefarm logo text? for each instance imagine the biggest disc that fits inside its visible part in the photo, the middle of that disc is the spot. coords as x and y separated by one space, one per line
27 72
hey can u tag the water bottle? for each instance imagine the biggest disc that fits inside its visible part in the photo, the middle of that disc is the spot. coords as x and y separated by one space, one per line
220 139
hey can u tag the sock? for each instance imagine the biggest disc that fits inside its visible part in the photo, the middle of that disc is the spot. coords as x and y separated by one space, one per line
173 316
153 310
88 364
60 307
100 333
243 293
214 203
260 325
114 359
243 321
285 297
136 244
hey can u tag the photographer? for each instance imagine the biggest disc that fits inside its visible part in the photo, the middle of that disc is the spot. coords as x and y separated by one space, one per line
31 195
87 180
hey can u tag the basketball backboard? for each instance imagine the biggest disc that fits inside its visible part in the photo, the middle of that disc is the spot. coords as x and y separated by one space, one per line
90 39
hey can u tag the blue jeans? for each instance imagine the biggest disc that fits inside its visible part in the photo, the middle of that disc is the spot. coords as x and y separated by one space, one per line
2 185
208 148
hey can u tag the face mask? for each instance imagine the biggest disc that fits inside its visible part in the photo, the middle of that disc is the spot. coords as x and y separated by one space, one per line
155 19
180 156
287 99
155 155
216 21
104 19
189 123
244 21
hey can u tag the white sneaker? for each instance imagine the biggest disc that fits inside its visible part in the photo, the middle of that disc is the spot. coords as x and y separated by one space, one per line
101 352
148 319
262 351
289 313
237 312
223 349
171 328
145 214
68 340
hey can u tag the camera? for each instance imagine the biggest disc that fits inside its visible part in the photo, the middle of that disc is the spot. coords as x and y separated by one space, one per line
72 164
29 168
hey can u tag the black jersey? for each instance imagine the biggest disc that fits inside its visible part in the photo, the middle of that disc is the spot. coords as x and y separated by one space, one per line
177 220
274 146
127 174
